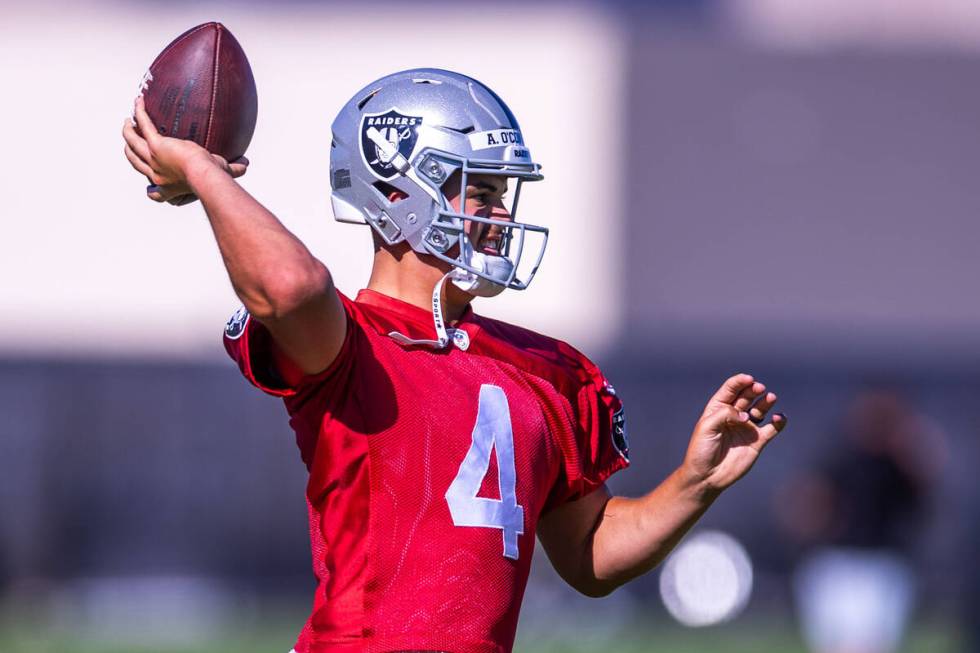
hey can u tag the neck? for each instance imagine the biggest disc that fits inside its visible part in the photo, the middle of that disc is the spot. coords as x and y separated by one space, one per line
402 273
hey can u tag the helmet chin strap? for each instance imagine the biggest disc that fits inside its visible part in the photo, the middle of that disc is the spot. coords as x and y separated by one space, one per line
443 334
499 267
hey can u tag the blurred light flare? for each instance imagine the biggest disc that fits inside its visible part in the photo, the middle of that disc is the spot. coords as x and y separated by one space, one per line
707 579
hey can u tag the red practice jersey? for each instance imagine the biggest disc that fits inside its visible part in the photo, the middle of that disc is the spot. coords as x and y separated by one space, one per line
429 470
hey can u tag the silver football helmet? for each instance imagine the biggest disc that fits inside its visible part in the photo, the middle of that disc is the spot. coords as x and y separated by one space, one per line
410 132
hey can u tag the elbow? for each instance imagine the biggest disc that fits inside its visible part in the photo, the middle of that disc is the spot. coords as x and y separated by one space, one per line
595 588
286 290
593 585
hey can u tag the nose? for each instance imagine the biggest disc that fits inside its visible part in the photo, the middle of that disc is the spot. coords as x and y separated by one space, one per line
499 211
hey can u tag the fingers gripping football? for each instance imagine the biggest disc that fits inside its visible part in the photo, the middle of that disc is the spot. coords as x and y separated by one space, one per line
134 159
165 161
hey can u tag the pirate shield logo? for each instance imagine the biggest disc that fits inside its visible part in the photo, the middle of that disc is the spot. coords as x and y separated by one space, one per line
620 439
385 136
236 324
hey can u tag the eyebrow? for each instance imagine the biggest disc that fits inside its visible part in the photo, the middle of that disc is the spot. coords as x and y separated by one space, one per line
485 185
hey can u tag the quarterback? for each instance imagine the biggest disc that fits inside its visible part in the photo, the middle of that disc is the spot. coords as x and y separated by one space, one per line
439 443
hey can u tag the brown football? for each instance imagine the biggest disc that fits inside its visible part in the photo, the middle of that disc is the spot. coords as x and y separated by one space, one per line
201 88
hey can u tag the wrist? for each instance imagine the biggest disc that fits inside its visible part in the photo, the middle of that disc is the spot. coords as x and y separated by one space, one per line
696 485
199 168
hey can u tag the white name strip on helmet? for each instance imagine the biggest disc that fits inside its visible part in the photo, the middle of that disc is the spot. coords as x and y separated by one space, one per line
495 138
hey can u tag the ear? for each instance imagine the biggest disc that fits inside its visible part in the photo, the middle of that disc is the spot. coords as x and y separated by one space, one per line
391 193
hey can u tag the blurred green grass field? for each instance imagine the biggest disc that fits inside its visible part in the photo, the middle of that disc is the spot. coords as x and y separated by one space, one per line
276 636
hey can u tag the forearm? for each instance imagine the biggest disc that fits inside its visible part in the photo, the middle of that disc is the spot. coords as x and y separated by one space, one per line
598 542
633 536
270 269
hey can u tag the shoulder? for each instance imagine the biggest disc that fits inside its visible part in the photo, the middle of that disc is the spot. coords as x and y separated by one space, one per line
597 438
539 354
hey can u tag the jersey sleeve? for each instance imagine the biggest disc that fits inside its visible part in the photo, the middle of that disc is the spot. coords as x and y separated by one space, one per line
597 446
249 343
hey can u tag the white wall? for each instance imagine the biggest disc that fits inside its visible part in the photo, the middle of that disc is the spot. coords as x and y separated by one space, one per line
89 266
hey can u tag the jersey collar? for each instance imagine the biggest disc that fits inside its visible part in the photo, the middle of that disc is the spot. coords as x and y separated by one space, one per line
414 321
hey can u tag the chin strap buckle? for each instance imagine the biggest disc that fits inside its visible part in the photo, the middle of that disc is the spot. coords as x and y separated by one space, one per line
443 333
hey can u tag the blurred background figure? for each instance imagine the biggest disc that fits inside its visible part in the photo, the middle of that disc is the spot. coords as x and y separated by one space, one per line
859 513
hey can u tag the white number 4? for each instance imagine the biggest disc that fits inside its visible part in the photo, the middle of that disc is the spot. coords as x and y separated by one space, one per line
492 432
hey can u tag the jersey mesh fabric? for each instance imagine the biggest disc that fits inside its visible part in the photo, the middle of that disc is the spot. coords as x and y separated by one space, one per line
383 433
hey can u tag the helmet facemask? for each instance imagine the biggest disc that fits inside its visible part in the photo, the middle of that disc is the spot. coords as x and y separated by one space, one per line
479 273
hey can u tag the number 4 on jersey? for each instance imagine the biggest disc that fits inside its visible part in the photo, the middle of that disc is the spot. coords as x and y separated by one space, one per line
492 432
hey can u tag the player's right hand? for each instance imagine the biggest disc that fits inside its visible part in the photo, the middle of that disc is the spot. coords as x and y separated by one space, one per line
166 162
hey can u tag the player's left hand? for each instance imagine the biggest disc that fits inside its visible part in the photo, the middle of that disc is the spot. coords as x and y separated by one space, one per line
731 433
165 161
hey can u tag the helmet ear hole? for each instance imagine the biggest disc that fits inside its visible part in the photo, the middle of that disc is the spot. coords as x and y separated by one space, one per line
391 193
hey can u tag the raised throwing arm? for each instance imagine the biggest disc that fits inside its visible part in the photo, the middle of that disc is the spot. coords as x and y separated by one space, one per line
277 278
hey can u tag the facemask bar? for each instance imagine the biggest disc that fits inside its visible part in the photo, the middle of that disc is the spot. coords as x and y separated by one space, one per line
450 225
457 234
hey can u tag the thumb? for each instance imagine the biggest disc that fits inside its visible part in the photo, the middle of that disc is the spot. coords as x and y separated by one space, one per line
221 161
724 416
238 167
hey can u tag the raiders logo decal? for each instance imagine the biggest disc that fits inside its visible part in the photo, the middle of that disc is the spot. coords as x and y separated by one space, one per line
387 141
620 440
237 323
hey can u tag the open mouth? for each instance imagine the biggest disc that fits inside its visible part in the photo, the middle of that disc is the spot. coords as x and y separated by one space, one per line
491 240
490 244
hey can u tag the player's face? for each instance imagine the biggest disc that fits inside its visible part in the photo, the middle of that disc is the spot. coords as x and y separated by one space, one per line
485 197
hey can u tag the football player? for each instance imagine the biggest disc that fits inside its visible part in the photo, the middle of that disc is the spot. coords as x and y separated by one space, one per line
439 443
